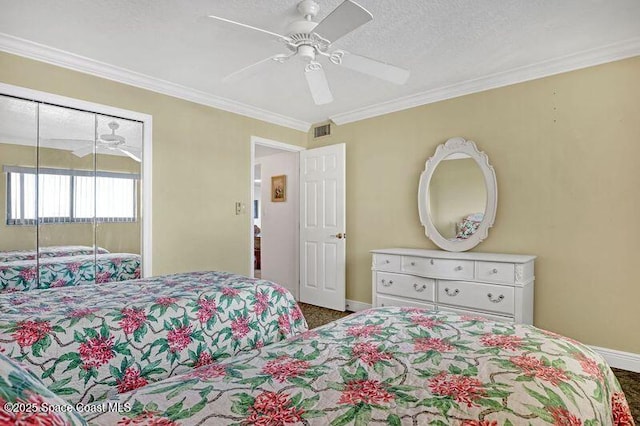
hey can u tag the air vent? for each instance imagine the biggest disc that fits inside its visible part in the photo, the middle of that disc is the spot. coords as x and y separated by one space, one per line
320 131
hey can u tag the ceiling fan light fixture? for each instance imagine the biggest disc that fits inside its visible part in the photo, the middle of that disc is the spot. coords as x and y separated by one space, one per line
307 52
308 40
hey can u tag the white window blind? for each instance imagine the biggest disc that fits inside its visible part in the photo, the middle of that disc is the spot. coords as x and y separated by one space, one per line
66 196
53 198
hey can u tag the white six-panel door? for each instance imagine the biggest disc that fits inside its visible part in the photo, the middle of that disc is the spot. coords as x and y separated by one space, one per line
322 226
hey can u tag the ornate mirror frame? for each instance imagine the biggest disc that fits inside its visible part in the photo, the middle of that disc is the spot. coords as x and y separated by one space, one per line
458 145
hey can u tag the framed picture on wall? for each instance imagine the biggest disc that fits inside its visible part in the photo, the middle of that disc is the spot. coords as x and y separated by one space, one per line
279 188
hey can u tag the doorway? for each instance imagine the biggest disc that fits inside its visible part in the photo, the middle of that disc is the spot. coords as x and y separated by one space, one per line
274 231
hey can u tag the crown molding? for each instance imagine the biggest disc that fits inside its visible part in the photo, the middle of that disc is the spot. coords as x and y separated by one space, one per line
61 58
584 59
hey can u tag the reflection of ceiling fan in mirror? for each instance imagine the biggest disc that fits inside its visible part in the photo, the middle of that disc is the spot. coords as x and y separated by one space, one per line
309 41
110 142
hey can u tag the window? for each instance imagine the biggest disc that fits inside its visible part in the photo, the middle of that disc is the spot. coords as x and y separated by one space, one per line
68 196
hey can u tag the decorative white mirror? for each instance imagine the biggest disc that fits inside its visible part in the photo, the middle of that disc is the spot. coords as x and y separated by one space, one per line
457 196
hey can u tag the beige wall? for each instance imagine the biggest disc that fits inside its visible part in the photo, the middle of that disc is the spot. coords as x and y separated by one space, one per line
566 151
200 165
115 237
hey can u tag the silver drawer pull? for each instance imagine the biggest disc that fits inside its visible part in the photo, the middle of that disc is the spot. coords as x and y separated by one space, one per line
458 268
419 289
451 293
384 283
413 263
387 261
431 261
494 271
498 300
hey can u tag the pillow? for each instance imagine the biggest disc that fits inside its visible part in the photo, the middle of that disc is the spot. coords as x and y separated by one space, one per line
469 226
24 399
466 229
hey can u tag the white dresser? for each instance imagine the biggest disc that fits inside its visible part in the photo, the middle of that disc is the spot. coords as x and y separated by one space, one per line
493 285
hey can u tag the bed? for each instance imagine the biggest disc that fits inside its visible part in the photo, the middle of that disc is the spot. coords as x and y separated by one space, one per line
64 271
392 366
51 251
91 341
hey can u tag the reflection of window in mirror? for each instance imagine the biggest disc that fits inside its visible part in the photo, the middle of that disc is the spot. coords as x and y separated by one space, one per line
68 196
456 192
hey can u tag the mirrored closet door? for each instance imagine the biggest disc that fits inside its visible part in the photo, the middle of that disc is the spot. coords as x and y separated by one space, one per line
72 191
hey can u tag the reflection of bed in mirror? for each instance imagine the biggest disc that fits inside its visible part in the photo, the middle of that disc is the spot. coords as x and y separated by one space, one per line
64 271
53 251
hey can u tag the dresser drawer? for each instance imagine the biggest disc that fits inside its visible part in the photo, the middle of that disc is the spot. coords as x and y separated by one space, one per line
392 301
446 309
497 272
485 297
442 268
386 262
405 286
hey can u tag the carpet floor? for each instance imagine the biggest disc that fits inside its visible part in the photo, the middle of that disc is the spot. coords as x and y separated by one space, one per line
629 381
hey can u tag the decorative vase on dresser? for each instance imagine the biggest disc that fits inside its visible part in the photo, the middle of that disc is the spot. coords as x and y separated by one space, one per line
492 285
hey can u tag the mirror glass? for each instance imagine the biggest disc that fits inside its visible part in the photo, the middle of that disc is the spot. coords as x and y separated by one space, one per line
457 197
72 190
66 241
18 233
118 198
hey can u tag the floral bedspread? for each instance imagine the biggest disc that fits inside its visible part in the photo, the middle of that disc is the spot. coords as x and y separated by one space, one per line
86 342
392 366
68 271
51 251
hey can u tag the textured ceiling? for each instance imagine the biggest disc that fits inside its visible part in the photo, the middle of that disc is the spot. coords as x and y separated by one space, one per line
442 42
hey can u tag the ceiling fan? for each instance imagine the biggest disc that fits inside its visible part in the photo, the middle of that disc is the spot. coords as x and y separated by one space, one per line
311 40
110 141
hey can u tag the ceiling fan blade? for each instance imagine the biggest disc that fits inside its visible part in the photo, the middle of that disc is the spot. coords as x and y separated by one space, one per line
374 68
318 84
342 20
84 141
130 154
111 138
250 69
84 151
251 27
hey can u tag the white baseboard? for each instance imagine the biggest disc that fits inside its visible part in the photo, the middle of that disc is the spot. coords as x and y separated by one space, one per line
619 359
355 306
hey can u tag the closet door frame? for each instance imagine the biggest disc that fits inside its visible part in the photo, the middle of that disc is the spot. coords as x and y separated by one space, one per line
147 121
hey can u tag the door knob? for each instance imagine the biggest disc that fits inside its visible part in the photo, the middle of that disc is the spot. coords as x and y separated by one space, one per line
340 235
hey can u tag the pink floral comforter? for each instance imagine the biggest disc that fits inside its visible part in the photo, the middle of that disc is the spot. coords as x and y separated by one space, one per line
89 341
392 366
